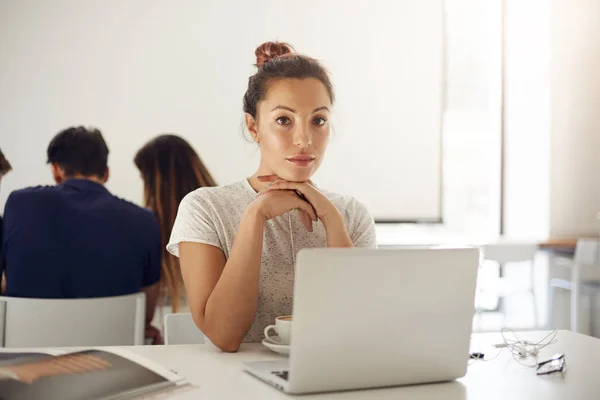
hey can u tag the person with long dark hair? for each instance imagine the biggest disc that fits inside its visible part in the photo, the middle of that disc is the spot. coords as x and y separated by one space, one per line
170 169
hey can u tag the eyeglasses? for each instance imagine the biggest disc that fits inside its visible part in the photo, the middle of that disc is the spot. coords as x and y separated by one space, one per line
555 364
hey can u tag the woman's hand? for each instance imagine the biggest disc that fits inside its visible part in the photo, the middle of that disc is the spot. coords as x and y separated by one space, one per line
323 208
274 203
321 204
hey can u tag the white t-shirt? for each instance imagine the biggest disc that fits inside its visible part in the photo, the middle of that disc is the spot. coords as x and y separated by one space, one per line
212 215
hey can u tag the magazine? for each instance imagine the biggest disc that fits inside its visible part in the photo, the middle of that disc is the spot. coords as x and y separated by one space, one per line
110 374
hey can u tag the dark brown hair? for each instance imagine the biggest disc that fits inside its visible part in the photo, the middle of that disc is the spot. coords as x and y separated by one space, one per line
5 166
79 151
276 61
170 169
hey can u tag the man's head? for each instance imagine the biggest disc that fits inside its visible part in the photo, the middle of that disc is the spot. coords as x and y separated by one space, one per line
78 152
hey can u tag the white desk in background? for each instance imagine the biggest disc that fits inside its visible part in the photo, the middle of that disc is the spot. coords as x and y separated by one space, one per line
560 252
390 236
220 375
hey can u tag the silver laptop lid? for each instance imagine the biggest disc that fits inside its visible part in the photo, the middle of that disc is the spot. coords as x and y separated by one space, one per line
373 318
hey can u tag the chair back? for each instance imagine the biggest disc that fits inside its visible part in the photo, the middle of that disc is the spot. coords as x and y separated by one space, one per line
181 329
587 253
587 257
104 321
509 252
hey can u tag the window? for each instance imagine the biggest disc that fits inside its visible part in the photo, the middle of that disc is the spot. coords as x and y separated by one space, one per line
472 125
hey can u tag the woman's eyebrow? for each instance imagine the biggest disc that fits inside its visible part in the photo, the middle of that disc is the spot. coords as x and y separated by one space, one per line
290 109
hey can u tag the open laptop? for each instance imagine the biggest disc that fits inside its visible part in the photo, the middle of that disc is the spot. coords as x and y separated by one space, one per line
366 318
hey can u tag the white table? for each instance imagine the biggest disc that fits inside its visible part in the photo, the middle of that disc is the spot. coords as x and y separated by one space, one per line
219 375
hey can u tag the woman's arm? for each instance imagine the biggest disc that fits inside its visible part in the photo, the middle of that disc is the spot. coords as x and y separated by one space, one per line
223 295
335 228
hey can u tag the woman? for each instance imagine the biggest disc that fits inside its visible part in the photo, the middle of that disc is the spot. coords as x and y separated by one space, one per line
237 243
170 169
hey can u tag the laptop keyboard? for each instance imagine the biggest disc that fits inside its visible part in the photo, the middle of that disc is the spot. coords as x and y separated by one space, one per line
282 374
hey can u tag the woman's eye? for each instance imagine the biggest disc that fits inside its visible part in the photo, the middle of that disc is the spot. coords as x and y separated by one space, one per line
283 121
319 121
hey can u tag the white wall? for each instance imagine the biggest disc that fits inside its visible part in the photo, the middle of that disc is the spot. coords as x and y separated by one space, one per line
575 117
526 118
138 68
552 118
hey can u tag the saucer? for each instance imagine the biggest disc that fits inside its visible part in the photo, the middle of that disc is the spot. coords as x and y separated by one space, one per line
277 348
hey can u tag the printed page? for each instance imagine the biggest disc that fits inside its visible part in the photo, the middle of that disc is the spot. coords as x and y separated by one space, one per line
98 374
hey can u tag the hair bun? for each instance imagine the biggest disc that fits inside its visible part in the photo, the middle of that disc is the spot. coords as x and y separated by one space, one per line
270 50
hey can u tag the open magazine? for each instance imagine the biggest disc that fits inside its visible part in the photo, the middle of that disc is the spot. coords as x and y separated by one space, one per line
109 374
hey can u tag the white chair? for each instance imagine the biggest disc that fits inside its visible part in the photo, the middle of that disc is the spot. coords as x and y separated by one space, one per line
585 279
506 253
105 321
181 329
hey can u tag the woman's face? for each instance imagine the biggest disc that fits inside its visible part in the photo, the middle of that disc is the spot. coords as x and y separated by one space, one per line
292 128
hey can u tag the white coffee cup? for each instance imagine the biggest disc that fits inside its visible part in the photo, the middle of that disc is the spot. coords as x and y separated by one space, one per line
283 329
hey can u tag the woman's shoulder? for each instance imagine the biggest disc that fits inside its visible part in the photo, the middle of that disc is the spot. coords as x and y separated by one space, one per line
217 191
346 204
231 194
338 198
207 214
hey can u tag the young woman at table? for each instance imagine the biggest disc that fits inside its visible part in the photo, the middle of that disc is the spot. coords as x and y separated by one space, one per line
237 243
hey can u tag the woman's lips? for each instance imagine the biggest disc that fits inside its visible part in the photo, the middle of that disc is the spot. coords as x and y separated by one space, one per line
301 161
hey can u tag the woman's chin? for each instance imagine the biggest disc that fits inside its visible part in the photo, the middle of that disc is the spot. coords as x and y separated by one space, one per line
295 176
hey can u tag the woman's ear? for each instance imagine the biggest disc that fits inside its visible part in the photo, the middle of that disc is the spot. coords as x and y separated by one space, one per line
252 126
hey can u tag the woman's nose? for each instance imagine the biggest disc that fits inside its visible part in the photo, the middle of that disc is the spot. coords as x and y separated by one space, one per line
303 138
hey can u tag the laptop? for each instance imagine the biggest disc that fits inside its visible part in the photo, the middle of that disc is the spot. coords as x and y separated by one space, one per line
367 318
